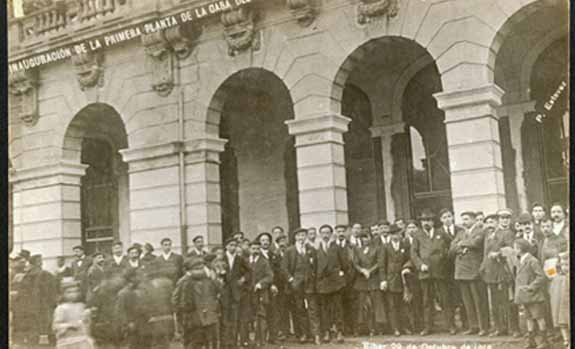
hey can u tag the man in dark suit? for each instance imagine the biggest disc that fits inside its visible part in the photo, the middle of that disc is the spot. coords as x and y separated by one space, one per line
467 249
275 308
299 267
538 212
412 287
236 277
45 292
95 275
349 296
392 264
525 224
259 297
80 267
330 281
451 230
198 250
148 257
429 254
169 264
116 264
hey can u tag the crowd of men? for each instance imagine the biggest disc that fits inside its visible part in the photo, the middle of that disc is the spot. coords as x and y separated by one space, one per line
327 283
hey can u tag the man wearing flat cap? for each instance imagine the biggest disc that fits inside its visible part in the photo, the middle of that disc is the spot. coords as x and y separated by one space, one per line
236 278
80 267
467 249
429 254
526 231
198 248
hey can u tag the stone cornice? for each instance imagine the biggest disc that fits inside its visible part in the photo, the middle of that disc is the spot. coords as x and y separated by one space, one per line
64 168
387 130
201 144
488 94
211 144
330 122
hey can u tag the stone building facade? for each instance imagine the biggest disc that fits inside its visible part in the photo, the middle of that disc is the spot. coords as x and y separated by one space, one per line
281 112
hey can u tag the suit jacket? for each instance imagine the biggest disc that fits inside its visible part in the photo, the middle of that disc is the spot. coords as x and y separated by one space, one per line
112 268
496 270
172 268
392 263
363 259
347 259
193 253
467 249
95 277
552 246
330 275
80 272
274 260
304 278
232 290
261 272
530 282
200 303
433 252
451 259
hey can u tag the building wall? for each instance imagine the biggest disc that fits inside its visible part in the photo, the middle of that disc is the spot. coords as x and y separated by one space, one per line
314 62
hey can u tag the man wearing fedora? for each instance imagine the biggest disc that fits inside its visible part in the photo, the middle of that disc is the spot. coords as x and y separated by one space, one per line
429 254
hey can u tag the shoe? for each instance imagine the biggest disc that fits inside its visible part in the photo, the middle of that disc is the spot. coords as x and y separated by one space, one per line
326 337
425 332
530 342
408 332
471 331
316 340
339 338
396 333
495 333
452 331
516 334
302 339
482 333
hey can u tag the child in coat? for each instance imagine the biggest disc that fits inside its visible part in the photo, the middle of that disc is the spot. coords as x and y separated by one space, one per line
530 293
71 319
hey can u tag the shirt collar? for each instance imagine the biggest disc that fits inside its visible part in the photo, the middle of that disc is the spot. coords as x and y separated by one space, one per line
134 263
167 256
118 259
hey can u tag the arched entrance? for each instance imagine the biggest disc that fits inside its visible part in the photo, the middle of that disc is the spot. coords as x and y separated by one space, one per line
396 149
93 138
532 68
258 169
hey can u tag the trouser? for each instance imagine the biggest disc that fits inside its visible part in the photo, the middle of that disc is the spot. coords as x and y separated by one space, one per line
429 288
500 306
331 312
413 308
350 309
203 337
472 293
395 302
229 325
457 301
365 312
297 308
313 314
274 311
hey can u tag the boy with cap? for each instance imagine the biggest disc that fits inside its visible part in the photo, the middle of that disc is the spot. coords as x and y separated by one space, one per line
530 293
236 277
199 307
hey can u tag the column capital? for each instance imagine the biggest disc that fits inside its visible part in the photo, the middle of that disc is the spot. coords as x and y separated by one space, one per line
205 144
150 151
329 122
471 103
387 130
518 109
67 171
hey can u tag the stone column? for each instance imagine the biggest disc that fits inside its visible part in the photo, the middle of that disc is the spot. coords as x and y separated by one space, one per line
474 149
46 209
203 197
386 132
321 169
516 114
154 193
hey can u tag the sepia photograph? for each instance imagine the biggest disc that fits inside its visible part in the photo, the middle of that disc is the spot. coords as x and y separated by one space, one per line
370 174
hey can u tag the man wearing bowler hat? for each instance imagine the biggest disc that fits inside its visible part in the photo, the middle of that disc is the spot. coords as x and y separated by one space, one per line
429 254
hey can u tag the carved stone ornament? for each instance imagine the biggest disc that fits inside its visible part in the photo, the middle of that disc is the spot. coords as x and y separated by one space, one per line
160 58
369 9
182 38
23 88
303 11
239 30
30 6
89 69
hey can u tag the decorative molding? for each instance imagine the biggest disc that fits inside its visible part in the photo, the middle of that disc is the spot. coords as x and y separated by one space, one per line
62 168
151 151
369 9
239 30
182 38
31 6
386 131
330 122
23 87
160 59
89 69
488 94
304 11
